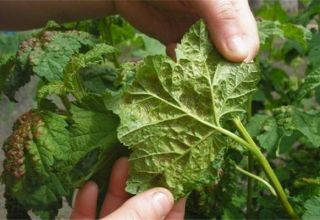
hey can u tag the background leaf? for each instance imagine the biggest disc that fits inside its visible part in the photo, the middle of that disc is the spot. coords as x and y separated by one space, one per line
35 166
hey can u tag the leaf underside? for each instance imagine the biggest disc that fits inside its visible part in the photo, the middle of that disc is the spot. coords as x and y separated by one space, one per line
172 113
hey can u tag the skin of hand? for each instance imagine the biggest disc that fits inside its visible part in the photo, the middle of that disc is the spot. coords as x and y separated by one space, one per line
231 24
155 204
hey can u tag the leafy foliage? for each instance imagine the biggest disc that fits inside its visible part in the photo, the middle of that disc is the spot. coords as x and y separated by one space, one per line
46 56
103 84
309 84
36 155
93 136
56 148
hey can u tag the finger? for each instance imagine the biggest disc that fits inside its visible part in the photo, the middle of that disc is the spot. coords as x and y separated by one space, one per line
151 20
153 204
170 50
178 210
231 25
86 201
142 16
250 30
116 194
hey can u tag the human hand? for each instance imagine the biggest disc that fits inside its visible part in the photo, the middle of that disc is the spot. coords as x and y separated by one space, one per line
231 24
155 204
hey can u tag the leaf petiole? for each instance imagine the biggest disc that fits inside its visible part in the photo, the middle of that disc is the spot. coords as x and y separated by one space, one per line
253 176
267 168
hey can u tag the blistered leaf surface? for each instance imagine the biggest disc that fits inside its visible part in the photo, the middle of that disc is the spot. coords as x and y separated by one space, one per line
170 113
35 167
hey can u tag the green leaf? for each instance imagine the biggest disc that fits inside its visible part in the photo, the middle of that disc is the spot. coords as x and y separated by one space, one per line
93 137
16 72
314 53
309 83
47 56
6 65
36 164
53 50
270 137
256 124
72 78
308 124
55 87
312 10
312 208
14 209
297 33
272 10
171 115
98 78
285 121
270 29
266 129
9 42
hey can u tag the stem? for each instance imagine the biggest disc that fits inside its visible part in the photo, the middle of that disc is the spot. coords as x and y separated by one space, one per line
108 37
252 176
249 188
66 103
267 169
77 86
272 36
250 169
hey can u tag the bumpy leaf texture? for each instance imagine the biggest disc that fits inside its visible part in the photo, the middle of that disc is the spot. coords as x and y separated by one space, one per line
53 50
93 137
34 168
286 120
312 208
46 55
171 114
314 52
312 10
269 29
16 72
309 83
71 82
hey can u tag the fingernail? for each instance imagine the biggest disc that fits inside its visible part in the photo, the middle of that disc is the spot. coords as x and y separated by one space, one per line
237 46
75 193
162 203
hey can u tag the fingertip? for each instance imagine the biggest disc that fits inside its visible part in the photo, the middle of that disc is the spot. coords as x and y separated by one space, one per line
116 194
163 201
170 50
88 188
121 163
154 203
85 201
235 49
254 49
119 174
178 210
232 28
166 192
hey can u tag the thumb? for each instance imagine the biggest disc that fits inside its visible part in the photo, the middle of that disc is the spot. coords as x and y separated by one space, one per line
153 204
232 27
